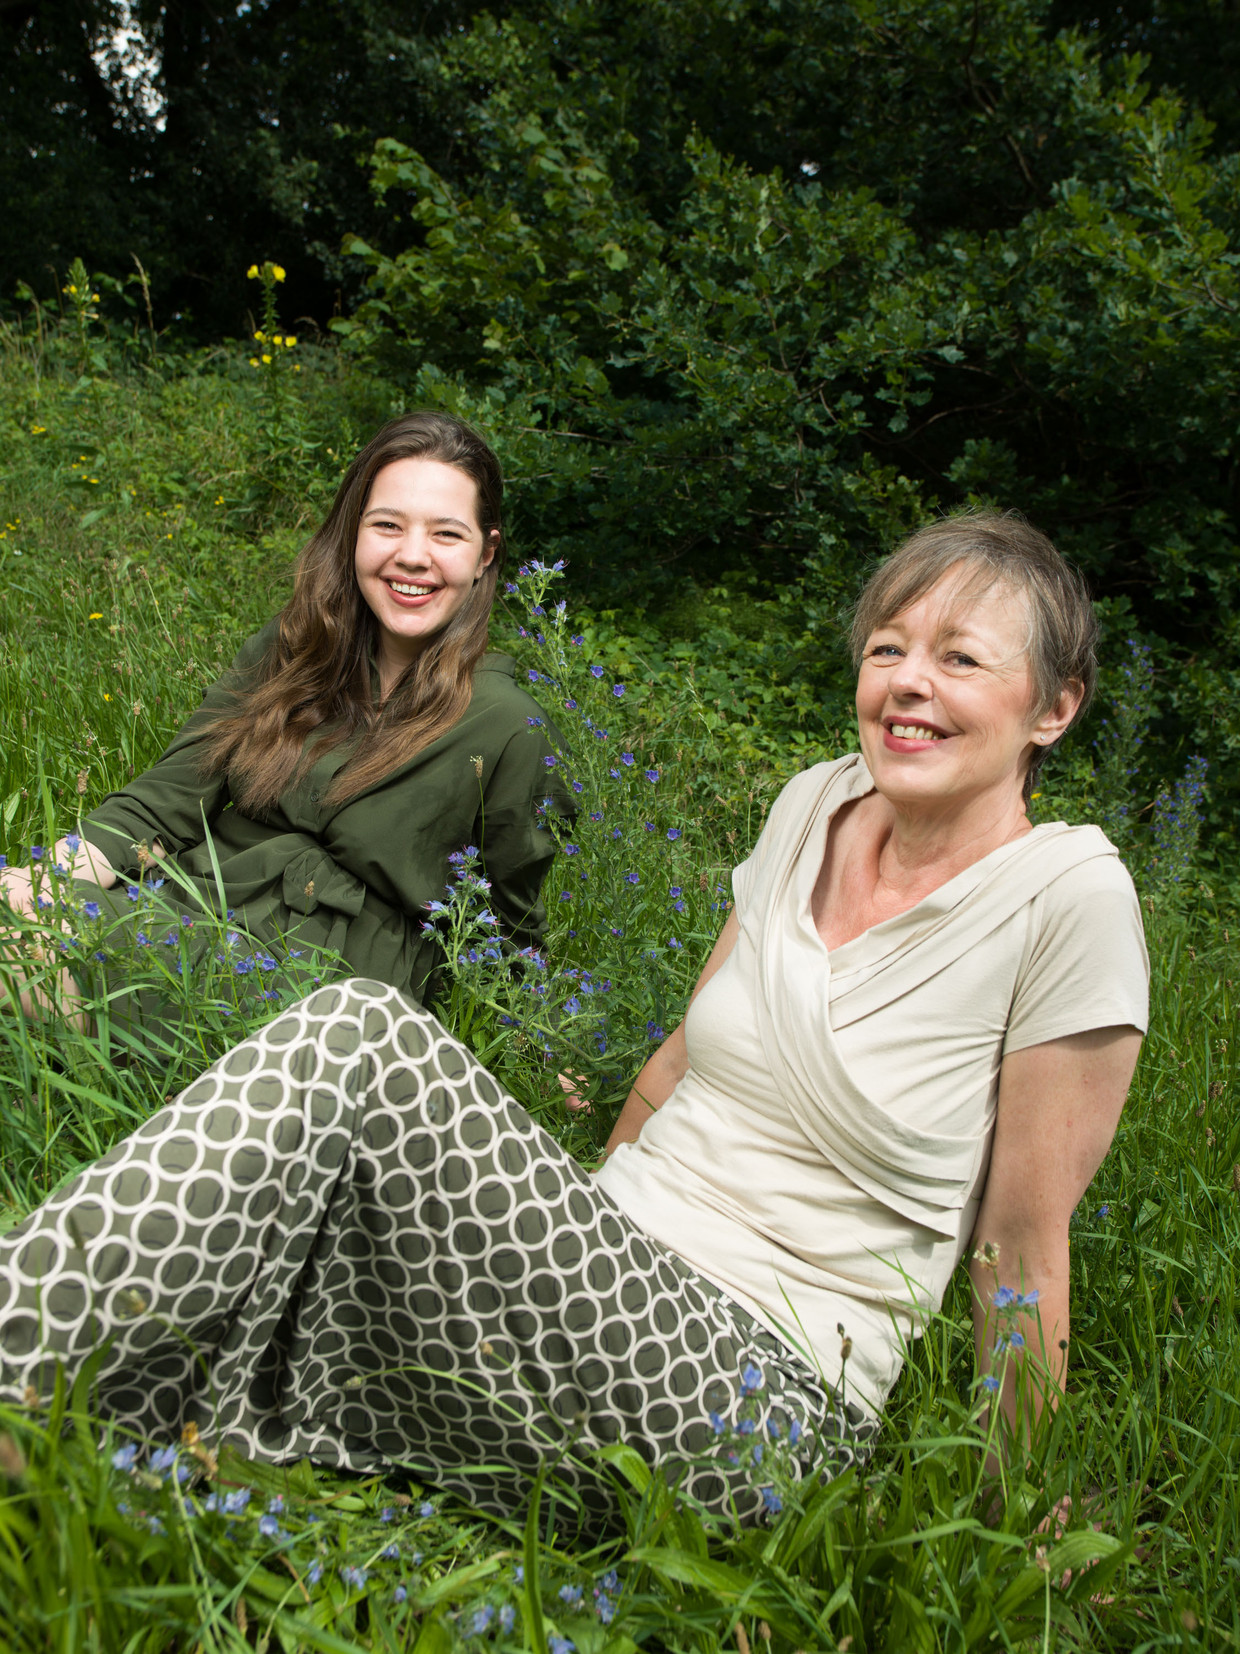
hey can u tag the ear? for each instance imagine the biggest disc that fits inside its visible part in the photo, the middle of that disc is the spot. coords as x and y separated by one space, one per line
1052 724
489 548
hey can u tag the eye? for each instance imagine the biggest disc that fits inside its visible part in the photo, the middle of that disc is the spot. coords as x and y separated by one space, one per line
957 657
884 651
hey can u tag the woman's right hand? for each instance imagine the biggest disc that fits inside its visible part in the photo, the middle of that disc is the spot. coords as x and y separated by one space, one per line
76 857
18 887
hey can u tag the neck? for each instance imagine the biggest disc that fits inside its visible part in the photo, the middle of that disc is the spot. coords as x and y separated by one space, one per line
929 847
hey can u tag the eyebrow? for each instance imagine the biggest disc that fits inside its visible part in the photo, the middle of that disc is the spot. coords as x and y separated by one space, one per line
395 511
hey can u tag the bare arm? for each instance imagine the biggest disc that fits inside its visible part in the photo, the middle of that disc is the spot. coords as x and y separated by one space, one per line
1059 1105
664 1070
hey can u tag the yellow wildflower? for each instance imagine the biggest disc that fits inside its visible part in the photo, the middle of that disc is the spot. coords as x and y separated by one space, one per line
277 272
71 288
266 359
96 615
219 499
252 273
38 430
290 339
253 361
296 367
107 697
277 338
260 335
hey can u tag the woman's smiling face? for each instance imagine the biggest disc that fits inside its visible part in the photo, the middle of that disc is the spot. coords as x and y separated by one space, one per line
944 700
420 550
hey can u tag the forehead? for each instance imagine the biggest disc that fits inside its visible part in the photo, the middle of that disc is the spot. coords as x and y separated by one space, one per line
424 485
969 603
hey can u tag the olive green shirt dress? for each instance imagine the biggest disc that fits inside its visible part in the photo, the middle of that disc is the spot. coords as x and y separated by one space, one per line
353 877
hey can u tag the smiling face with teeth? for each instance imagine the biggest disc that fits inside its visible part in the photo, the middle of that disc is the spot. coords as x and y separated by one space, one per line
945 702
420 552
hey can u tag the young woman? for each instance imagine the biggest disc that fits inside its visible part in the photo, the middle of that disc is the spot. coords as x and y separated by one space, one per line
358 741
913 1038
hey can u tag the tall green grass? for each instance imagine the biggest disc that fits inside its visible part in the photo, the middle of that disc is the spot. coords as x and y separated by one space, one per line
121 597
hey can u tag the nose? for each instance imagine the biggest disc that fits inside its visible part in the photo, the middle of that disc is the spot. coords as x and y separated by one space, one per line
414 548
910 677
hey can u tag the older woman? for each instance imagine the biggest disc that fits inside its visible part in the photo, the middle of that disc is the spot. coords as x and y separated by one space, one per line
918 1027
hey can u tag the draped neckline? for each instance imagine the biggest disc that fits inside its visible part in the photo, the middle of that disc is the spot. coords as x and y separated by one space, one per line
880 940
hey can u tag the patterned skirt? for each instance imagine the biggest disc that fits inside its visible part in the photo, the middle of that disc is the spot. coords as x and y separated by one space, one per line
346 1242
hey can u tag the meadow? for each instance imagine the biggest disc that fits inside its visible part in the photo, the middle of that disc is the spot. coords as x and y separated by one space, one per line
150 507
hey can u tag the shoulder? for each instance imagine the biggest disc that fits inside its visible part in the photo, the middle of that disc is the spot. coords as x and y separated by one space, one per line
496 687
1090 871
834 782
256 649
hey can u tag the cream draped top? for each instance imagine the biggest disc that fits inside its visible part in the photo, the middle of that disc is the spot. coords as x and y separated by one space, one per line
823 1158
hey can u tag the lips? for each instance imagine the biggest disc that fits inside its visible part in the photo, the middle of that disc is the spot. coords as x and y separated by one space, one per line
906 734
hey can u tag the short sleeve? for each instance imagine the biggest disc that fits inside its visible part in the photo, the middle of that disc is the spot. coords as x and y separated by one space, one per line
1086 965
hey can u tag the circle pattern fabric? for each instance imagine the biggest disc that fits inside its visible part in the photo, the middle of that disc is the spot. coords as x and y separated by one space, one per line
346 1242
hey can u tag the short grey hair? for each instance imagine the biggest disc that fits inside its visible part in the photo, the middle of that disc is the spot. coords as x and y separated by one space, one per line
993 548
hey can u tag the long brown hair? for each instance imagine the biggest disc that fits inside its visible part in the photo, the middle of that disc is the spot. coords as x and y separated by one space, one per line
318 671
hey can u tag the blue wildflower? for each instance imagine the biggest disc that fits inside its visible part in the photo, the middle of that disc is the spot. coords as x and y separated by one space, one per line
132 892
673 832
481 1620
390 1553
655 1032
400 1593
746 1427
772 1501
571 850
751 1378
125 1457
632 878
143 939
990 1384
626 758
73 843
426 1509
1004 1297
243 967
579 786
269 1527
570 1594
561 1645
1026 1300
314 1572
163 1458
617 690
550 761
235 1502
572 1006
508 1614
356 1577
652 775
596 671
36 852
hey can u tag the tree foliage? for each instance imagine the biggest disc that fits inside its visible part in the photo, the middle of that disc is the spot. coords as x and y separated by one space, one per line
747 288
